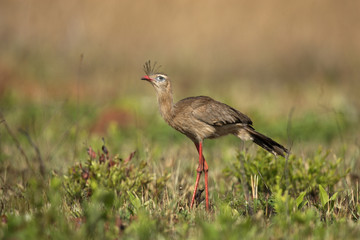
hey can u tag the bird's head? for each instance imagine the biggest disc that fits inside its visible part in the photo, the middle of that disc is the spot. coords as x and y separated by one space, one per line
160 81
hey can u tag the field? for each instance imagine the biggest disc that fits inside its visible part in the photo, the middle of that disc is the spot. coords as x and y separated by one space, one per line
84 153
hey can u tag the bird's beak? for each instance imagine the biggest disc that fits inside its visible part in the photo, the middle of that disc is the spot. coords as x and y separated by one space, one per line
147 78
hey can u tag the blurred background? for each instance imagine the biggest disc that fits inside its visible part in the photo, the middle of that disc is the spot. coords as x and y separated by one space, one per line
70 70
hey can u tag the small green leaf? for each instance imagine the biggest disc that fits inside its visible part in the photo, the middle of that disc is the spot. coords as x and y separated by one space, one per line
55 183
300 199
324 197
333 197
134 199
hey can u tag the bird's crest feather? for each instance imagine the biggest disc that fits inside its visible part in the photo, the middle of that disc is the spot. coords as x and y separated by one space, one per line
151 69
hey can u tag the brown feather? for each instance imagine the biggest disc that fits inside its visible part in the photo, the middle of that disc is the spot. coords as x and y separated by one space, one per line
202 117
267 143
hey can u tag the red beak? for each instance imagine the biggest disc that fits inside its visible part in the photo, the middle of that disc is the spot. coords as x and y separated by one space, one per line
147 78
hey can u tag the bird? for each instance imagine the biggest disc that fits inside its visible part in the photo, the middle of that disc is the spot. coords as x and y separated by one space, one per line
201 118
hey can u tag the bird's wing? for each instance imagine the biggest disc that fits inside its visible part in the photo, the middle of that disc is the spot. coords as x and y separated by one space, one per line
216 113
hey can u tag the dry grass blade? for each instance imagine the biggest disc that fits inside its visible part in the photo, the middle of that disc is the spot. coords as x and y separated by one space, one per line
37 150
17 143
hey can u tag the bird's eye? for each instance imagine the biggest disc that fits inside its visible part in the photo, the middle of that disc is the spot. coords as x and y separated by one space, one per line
160 78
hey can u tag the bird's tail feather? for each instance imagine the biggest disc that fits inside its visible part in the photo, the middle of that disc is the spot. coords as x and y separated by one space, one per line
267 143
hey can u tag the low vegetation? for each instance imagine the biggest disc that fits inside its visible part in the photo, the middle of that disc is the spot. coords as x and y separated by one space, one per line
144 194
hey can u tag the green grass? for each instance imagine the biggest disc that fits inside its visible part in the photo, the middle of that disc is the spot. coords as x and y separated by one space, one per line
312 193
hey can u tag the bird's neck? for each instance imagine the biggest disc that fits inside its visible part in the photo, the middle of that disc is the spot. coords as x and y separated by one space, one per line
165 100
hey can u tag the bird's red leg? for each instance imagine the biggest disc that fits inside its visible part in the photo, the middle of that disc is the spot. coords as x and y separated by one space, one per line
202 167
205 169
199 171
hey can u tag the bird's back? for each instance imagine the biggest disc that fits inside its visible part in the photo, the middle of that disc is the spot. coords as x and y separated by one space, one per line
211 111
203 117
